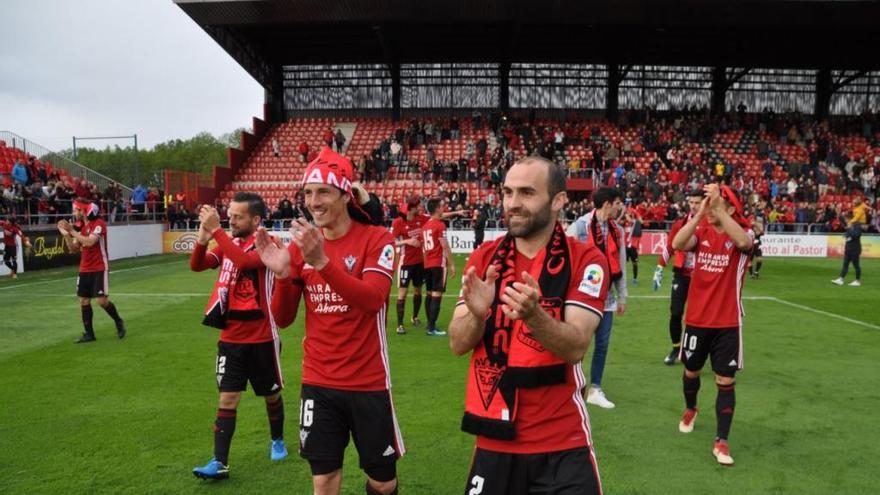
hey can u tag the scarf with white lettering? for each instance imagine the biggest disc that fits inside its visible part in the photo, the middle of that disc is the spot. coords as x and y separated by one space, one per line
236 294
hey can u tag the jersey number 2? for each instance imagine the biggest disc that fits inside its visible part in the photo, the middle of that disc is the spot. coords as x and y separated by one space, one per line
477 485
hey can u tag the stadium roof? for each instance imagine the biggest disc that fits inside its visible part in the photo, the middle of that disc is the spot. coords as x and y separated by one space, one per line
264 35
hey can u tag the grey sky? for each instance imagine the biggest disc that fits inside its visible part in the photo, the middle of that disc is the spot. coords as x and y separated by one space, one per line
112 67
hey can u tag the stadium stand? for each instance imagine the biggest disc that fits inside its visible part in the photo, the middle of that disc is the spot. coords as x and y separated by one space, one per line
796 171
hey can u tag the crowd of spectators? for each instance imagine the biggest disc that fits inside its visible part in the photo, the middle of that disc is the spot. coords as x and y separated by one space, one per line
839 161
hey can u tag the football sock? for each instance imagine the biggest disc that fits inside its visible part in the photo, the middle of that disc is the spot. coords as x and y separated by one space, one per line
87 319
675 329
691 386
725 403
751 269
13 265
224 427
111 310
758 266
433 310
401 308
417 304
635 271
275 411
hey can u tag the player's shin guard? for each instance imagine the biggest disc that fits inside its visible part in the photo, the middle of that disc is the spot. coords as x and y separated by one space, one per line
275 411
224 427
691 387
110 308
401 309
87 316
417 305
725 403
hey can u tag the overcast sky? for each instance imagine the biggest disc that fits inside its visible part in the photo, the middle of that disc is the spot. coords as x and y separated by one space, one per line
114 67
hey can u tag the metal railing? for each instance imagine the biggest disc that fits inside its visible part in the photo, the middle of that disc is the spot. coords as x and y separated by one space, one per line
59 160
113 212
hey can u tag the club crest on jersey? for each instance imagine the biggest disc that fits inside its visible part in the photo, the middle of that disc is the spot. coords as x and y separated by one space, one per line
728 244
386 259
349 262
591 284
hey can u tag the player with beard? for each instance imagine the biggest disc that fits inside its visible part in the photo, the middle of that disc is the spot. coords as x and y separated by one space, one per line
342 267
683 265
720 238
249 346
530 303
89 237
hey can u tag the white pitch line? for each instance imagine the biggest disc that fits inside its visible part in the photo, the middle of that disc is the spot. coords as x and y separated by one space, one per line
31 284
767 298
826 313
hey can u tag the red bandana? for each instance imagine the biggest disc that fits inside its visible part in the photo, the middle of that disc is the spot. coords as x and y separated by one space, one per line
332 169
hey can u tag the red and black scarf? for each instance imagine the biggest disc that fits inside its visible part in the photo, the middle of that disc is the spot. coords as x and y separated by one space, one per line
509 356
236 294
608 244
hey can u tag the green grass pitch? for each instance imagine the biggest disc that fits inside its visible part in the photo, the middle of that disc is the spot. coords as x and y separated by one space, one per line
135 416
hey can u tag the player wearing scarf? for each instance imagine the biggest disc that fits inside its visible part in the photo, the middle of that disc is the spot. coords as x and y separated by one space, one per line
249 347
530 303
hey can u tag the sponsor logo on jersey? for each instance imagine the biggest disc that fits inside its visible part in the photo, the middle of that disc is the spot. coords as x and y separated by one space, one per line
591 284
386 259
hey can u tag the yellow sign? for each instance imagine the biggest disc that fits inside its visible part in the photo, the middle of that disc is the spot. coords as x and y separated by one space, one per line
181 242
870 246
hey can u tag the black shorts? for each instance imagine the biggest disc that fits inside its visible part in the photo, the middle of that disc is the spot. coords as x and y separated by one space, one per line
9 254
411 273
757 253
679 296
435 279
723 345
238 364
632 254
93 284
567 472
329 416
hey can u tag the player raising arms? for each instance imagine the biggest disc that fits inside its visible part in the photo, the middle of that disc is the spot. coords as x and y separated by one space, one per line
530 303
89 237
683 265
249 346
343 268
721 240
